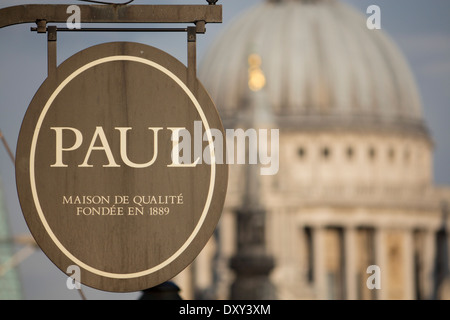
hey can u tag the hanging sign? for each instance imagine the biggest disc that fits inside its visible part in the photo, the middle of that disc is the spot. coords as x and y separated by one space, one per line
108 171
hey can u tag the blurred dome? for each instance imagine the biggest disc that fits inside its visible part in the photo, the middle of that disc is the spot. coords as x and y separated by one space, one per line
323 67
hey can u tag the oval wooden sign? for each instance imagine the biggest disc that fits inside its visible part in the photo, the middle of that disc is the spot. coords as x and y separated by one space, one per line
108 168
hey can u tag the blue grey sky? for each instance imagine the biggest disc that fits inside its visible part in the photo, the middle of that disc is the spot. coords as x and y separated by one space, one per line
421 28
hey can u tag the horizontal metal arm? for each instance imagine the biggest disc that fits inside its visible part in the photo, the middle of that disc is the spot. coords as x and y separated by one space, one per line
33 29
112 14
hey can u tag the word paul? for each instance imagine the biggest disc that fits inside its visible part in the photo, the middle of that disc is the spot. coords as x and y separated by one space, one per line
260 149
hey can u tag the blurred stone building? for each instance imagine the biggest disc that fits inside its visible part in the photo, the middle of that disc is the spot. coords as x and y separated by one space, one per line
355 186
10 286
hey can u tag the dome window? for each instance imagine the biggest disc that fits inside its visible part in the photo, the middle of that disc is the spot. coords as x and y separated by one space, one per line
372 153
350 153
326 153
391 154
301 153
407 155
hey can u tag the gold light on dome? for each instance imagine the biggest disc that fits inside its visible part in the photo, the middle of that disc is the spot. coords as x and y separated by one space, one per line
256 78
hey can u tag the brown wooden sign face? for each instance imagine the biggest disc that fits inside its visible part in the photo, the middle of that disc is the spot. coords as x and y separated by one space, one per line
103 171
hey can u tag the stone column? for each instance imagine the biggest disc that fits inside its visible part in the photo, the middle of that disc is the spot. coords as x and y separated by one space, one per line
205 268
320 274
350 256
381 261
184 281
428 259
251 262
408 265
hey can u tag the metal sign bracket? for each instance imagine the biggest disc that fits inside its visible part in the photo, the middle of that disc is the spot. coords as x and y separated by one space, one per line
43 14
51 50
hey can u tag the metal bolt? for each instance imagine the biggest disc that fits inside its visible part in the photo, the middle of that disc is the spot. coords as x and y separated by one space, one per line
41 26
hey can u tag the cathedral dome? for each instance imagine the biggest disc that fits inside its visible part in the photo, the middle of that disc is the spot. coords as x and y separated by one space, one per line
323 67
